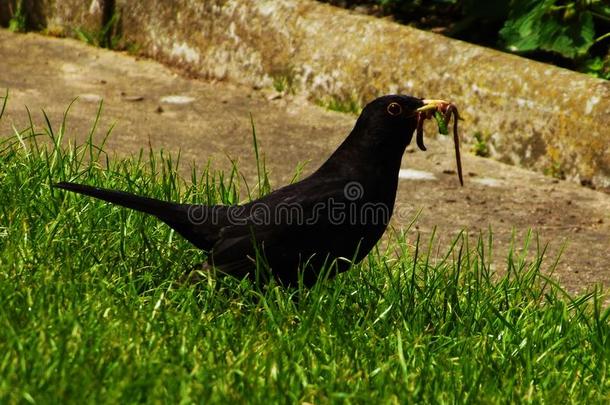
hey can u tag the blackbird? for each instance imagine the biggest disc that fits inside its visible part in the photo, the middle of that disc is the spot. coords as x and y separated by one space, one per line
328 220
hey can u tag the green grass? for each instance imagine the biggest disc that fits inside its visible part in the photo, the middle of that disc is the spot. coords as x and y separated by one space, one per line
18 21
91 309
350 105
106 37
480 146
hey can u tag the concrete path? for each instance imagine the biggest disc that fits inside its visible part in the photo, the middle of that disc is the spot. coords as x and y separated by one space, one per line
150 104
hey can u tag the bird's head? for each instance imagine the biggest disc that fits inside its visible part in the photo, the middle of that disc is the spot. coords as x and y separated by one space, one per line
385 128
392 114
386 125
390 121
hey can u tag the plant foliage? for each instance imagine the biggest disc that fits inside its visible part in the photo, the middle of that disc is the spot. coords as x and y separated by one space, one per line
573 34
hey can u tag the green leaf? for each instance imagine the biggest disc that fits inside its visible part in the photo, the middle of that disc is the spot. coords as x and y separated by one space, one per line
521 30
442 125
540 25
597 67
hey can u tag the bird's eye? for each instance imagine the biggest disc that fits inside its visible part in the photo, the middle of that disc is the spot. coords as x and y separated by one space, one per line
394 109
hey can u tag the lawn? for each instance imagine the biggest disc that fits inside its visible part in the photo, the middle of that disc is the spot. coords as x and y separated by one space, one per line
94 306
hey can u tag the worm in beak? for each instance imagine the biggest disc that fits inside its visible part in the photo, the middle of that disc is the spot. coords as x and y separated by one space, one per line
442 111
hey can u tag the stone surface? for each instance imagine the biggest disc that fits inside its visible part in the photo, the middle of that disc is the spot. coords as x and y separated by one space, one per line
213 39
534 115
60 17
531 114
48 73
72 15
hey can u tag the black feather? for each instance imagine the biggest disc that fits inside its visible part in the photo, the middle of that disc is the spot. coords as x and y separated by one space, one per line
313 236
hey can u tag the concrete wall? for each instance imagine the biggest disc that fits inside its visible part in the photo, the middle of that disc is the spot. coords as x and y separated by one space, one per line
61 17
535 115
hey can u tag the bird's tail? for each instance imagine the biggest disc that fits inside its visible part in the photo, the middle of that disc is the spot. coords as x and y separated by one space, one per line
148 205
177 216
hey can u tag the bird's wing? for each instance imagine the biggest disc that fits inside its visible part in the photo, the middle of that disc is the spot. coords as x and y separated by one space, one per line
262 229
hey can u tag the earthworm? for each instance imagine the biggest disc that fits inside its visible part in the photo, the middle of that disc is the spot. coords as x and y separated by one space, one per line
446 110
420 131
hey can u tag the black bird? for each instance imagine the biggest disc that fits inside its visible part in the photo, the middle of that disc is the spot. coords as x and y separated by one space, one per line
331 218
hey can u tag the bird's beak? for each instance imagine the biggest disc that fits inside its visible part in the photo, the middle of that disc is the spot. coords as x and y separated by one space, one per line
431 105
